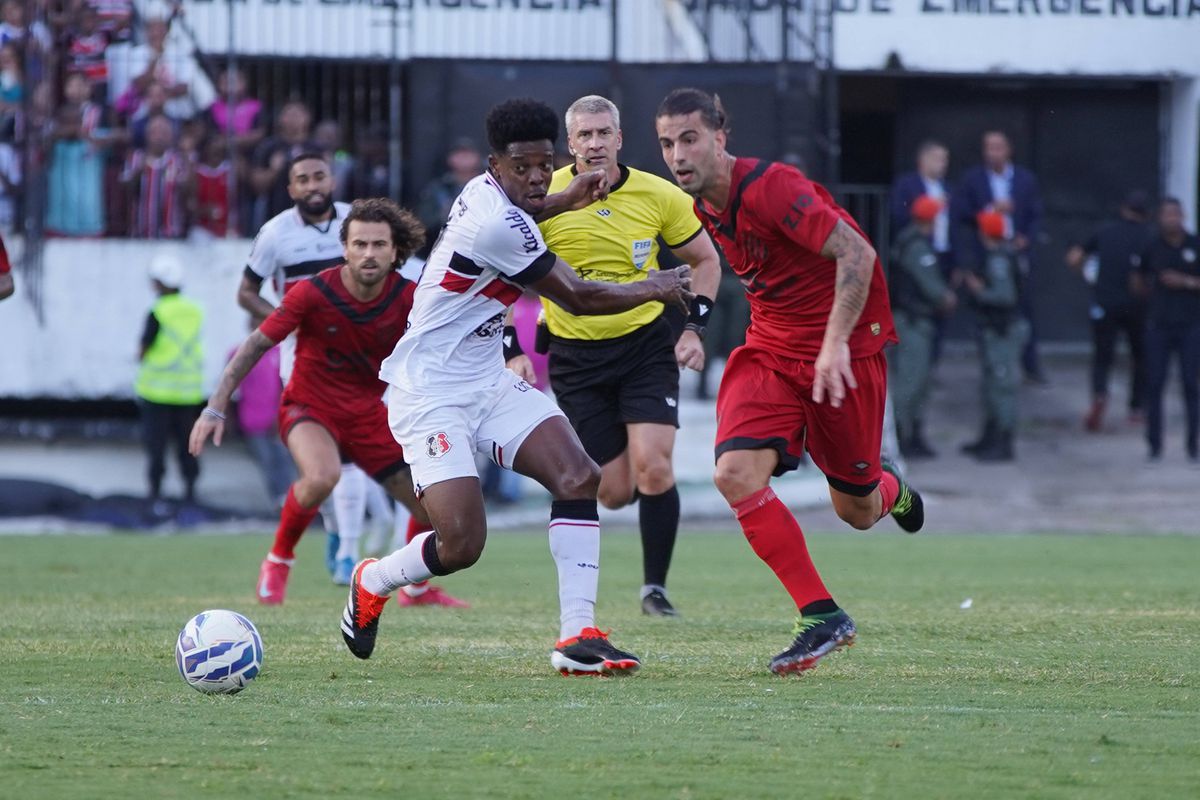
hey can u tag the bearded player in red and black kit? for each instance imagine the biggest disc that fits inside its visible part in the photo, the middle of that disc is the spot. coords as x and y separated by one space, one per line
812 372
349 318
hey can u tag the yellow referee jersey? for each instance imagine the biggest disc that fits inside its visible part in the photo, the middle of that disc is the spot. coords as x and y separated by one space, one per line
616 240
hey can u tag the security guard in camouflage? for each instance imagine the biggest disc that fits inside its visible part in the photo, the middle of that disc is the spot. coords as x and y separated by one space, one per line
919 295
995 292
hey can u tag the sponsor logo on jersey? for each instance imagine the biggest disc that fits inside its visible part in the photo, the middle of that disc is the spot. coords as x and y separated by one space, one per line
437 445
641 251
604 212
861 466
517 221
672 402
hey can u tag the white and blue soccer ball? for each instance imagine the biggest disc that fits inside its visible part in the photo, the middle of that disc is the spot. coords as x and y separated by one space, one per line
219 652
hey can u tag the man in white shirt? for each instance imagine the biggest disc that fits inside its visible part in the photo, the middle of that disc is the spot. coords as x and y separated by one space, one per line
451 394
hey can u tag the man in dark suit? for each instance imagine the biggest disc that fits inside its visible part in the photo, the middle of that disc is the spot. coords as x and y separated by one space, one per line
1012 191
928 179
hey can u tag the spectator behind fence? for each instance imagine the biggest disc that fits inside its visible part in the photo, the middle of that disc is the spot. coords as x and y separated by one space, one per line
463 162
116 18
1170 273
369 177
169 382
213 170
15 29
12 90
1107 261
258 417
132 68
86 45
161 184
75 179
1011 191
269 164
153 104
244 118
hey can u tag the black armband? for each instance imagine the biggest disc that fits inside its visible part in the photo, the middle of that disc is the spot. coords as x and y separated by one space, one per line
512 345
697 320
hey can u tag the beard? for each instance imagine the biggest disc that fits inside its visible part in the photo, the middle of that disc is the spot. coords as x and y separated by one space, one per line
317 205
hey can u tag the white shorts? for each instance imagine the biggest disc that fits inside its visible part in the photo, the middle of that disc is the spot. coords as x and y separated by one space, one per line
441 433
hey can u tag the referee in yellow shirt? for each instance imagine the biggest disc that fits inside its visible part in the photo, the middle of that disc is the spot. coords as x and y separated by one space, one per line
617 376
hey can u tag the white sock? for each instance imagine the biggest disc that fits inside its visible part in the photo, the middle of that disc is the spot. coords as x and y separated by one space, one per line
377 535
405 566
575 545
350 506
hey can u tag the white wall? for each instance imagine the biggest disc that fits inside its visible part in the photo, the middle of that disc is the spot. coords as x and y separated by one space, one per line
97 297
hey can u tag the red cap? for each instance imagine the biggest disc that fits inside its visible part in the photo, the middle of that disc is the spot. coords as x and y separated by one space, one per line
991 224
925 208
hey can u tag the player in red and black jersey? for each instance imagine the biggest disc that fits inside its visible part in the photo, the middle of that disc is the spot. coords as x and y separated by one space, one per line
348 318
812 373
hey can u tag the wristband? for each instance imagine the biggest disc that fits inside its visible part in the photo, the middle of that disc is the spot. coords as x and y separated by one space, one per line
512 345
697 320
212 412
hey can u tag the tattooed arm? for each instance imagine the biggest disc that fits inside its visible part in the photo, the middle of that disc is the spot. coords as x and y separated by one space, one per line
213 422
855 265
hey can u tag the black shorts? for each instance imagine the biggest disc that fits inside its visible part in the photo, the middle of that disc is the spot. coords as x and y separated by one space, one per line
602 385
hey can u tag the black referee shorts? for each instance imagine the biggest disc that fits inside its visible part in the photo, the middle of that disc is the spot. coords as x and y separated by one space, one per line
602 385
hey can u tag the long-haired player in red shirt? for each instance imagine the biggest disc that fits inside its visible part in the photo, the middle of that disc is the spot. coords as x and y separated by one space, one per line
811 375
349 317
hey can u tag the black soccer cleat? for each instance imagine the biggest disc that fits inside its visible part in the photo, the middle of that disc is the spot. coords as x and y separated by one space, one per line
909 508
360 619
656 604
590 653
816 637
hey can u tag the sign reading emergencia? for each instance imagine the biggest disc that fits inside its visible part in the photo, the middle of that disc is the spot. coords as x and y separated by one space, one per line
1089 36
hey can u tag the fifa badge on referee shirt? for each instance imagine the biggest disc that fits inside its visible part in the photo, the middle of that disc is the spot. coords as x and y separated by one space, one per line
641 251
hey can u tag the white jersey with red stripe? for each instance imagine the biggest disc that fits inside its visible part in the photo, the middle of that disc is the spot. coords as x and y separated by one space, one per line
487 252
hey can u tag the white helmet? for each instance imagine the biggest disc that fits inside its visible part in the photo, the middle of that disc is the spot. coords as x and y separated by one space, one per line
167 269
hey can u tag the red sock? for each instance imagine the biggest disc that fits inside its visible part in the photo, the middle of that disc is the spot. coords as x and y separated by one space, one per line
889 490
416 528
294 519
776 538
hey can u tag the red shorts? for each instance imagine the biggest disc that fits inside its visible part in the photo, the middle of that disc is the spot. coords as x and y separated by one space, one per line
765 401
362 434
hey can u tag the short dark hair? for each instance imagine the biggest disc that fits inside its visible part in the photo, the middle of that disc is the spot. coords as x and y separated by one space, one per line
408 233
520 120
681 102
929 144
1170 201
307 155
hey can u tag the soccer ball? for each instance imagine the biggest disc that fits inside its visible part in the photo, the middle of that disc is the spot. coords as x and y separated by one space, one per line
218 652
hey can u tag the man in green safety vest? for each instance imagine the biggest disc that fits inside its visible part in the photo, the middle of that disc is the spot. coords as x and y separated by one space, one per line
169 382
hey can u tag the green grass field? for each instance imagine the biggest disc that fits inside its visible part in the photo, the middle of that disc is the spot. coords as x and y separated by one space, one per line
1073 674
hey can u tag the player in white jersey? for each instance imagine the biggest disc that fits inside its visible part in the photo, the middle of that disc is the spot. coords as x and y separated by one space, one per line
451 394
293 246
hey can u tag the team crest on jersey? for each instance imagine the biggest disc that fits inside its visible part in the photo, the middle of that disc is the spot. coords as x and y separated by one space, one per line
437 445
876 328
641 251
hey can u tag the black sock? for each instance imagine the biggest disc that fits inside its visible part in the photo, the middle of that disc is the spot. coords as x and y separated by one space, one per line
819 607
430 555
658 516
